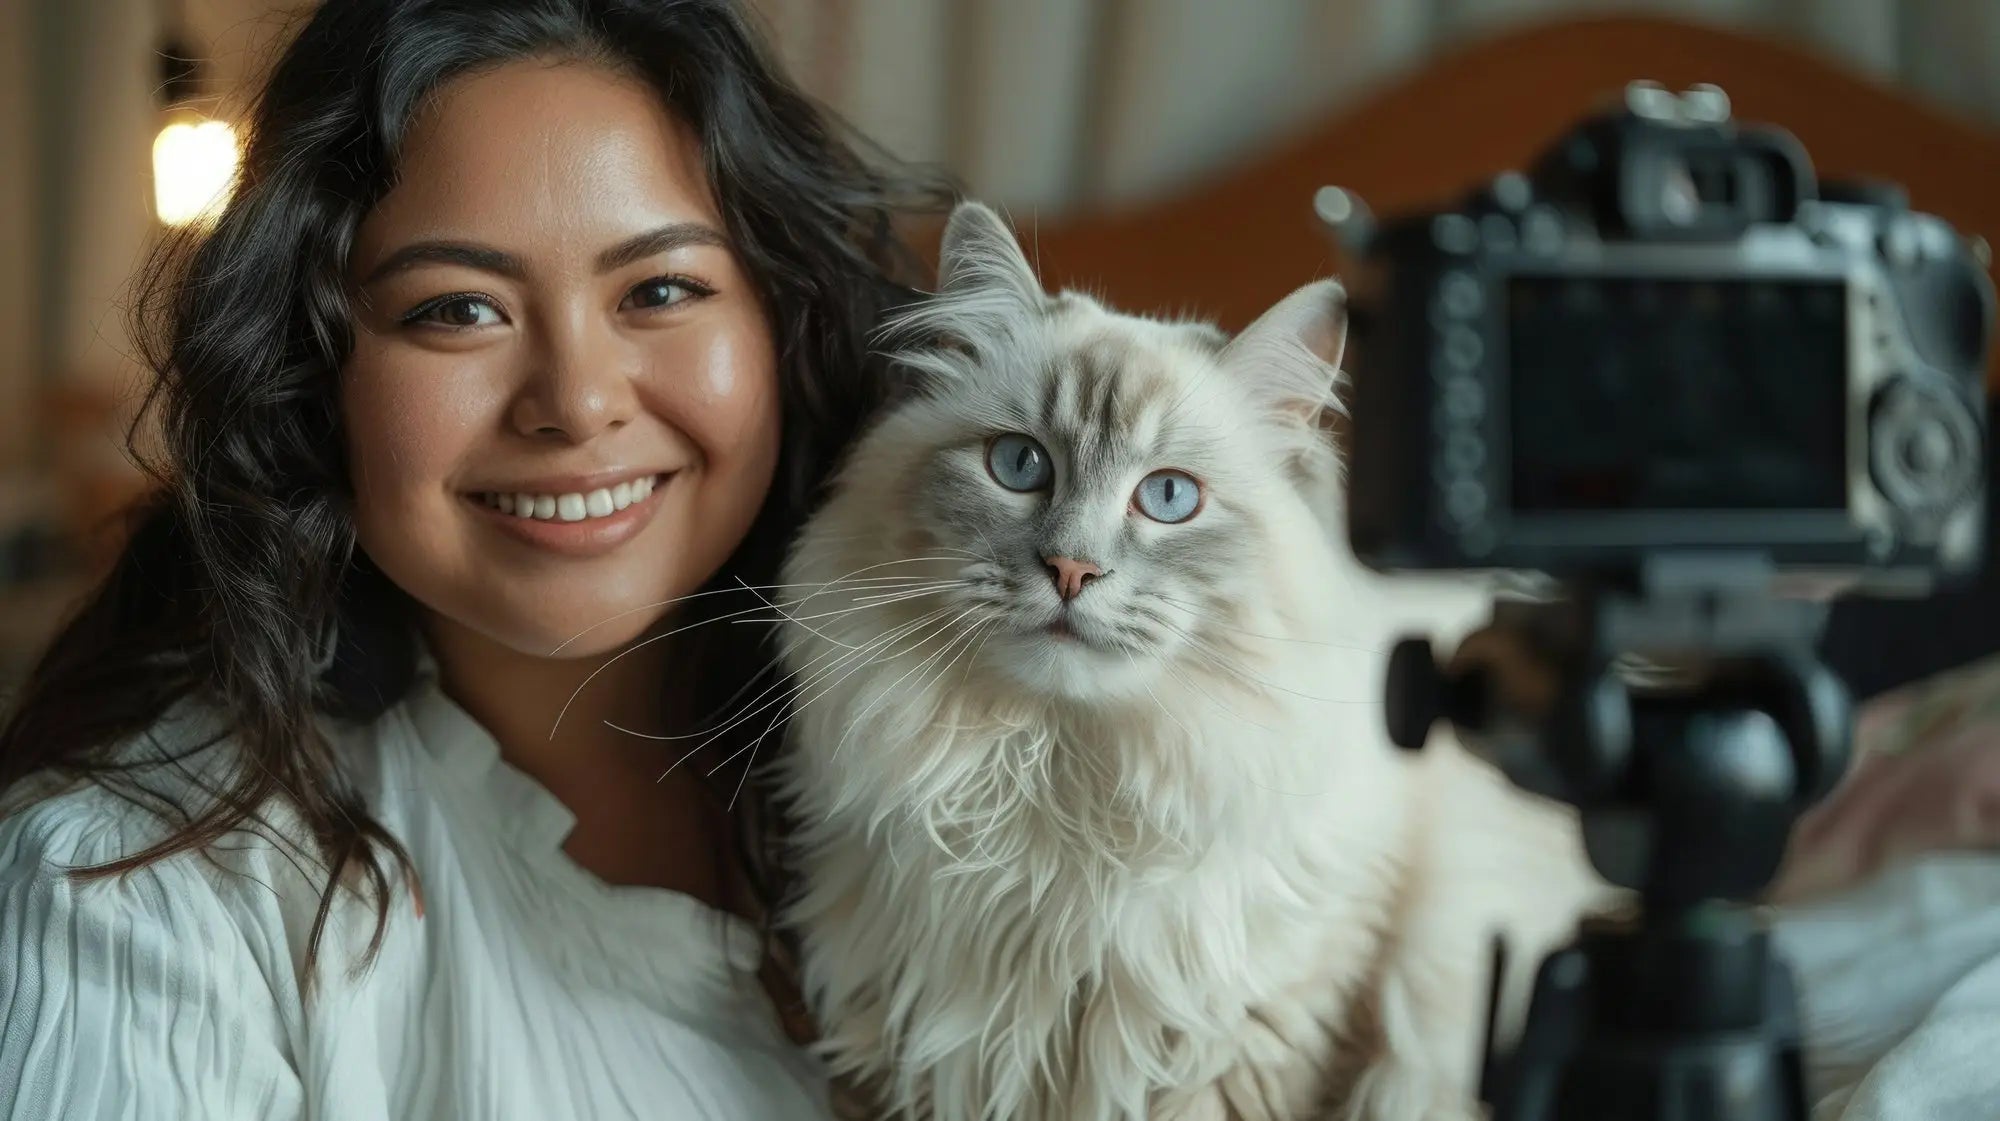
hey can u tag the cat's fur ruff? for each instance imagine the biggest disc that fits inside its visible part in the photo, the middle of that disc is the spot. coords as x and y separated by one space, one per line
1176 871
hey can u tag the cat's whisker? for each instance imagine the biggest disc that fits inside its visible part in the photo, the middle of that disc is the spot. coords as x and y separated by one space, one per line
863 714
733 615
897 597
977 626
635 647
731 721
783 615
897 594
869 653
564 644
835 582
786 713
994 558
768 666
1140 675
782 702
990 627
713 733
940 585
1190 682
853 581
752 764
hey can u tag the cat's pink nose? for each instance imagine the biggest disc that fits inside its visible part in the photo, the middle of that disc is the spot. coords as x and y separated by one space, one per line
1070 575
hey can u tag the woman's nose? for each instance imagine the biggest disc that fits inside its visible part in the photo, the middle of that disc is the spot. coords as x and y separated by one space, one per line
581 383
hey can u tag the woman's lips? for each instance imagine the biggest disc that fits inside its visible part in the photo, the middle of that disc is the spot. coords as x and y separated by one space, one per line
577 523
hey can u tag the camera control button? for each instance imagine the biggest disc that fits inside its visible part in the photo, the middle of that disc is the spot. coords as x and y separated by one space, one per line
1464 454
1901 244
1497 231
1924 448
1464 398
1462 348
1465 502
1651 101
1510 191
1542 231
1454 233
1459 295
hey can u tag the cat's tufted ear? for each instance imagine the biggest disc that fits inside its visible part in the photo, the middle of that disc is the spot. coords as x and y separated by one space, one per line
1291 355
979 257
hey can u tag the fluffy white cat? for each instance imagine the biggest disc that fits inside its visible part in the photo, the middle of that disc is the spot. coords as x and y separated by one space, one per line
1096 816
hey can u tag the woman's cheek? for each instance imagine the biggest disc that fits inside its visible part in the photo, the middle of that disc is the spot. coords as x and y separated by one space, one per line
728 402
408 423
720 376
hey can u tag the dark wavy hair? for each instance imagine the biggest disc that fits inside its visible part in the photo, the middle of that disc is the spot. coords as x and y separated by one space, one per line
240 585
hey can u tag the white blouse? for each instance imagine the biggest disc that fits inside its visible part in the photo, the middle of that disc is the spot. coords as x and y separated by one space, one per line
528 988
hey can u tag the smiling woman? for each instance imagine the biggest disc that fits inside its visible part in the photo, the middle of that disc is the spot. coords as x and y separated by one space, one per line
378 779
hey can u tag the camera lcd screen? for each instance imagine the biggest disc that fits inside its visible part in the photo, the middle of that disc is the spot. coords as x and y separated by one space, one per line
1646 394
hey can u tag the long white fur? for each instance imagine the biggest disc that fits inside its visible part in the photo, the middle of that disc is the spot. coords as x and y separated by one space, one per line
1183 893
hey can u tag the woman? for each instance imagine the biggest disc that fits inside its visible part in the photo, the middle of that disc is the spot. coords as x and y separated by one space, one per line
530 324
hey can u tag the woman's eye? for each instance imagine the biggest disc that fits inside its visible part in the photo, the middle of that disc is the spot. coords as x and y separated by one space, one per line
1168 496
457 312
1017 462
659 292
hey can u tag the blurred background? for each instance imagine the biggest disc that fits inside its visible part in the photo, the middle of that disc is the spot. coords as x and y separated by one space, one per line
117 119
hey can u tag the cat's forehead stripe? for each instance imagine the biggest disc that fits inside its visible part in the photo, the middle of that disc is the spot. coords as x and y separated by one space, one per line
1104 386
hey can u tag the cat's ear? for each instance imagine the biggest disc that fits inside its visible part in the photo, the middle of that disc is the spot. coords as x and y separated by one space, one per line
979 257
1291 355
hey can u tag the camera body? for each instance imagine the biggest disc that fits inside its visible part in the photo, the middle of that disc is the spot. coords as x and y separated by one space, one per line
1667 340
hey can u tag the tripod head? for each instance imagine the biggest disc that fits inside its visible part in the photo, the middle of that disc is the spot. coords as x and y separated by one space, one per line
1691 726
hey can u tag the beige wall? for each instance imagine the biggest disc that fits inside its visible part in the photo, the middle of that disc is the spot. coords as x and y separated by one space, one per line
97 75
19 319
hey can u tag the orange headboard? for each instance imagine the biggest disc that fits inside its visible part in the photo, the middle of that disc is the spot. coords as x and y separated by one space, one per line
1234 245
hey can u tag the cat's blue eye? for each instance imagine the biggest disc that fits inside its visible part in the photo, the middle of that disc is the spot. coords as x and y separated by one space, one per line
1168 496
1017 462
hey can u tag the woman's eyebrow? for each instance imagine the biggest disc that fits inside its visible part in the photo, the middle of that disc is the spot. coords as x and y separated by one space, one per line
675 235
481 257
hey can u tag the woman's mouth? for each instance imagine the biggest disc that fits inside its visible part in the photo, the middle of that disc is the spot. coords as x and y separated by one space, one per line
577 523
575 506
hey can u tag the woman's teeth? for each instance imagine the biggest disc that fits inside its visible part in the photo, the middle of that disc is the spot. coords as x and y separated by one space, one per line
573 507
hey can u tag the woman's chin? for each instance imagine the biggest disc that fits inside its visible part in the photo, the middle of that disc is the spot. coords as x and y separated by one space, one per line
564 631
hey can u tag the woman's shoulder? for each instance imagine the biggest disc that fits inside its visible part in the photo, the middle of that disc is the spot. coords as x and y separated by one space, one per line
264 877
210 941
138 793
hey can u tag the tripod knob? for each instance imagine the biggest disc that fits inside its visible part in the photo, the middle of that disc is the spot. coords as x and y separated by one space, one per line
1415 697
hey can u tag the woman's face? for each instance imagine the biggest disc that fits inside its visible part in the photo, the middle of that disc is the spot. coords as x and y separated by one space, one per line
561 408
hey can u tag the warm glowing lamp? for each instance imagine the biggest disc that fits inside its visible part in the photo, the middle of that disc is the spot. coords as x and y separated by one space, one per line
194 158
194 165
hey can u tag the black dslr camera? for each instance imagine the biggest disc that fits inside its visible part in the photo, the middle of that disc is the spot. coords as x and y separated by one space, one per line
1667 336
1701 391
